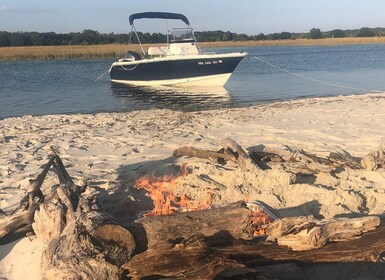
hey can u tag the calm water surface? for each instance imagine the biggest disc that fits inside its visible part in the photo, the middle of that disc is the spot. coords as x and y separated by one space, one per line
53 87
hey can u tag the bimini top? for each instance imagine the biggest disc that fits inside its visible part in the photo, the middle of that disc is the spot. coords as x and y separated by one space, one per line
162 15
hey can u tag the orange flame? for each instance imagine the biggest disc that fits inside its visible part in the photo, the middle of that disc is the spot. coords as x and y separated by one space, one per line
162 192
260 218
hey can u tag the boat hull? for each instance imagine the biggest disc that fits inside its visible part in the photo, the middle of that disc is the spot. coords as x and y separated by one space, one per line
198 70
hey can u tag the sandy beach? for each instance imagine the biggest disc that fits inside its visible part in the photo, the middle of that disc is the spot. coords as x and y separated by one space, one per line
110 151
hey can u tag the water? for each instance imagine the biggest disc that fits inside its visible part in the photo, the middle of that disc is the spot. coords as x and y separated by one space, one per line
56 87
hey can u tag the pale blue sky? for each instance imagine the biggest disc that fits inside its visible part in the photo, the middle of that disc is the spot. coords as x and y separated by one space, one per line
241 16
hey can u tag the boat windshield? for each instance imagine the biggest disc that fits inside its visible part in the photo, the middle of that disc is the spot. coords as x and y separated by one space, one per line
181 35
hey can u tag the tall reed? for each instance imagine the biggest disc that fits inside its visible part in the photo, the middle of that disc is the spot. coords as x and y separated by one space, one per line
118 50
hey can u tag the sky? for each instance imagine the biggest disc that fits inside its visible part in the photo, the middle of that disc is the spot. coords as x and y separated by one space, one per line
241 16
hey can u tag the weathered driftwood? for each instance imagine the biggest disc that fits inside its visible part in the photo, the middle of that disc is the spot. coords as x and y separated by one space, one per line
178 244
242 158
305 162
188 259
374 159
2 214
220 156
369 248
306 233
231 151
301 161
369 163
85 243
94 247
195 257
234 219
295 160
81 242
343 158
20 220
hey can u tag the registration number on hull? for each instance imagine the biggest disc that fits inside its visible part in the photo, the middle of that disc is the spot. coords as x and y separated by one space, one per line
210 62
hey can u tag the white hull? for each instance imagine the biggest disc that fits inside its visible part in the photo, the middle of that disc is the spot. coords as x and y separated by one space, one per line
202 81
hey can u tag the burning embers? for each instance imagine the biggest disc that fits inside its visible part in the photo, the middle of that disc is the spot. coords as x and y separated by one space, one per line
163 192
261 216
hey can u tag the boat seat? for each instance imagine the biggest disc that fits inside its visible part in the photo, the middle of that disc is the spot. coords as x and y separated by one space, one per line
157 51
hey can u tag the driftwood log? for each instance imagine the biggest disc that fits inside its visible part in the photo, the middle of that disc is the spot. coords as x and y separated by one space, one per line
221 156
197 257
204 244
188 259
178 244
242 158
306 233
231 151
295 160
375 159
20 220
81 242
299 160
370 248
225 224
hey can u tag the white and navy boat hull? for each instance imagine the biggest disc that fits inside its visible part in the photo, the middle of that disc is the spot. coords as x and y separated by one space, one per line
199 70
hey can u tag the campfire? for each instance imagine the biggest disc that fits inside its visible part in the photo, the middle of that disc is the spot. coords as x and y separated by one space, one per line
261 217
166 200
162 191
185 235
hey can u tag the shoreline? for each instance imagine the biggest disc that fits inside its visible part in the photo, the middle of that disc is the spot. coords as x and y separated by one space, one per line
112 150
240 107
117 50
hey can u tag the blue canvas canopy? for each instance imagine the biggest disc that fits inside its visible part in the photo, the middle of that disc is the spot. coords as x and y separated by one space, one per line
162 15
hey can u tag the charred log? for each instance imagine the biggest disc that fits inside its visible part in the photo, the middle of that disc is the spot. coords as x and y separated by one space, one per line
198 258
188 259
234 219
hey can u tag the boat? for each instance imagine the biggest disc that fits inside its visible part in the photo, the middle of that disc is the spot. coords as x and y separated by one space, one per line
178 62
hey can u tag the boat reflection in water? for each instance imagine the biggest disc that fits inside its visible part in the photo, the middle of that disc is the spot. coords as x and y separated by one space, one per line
174 98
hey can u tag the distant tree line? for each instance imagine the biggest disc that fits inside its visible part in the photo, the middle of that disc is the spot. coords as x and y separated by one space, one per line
91 37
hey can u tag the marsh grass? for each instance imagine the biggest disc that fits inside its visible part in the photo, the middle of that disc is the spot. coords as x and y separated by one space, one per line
297 42
118 50
61 52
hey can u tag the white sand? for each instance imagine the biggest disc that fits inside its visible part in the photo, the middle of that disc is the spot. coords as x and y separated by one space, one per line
20 260
112 150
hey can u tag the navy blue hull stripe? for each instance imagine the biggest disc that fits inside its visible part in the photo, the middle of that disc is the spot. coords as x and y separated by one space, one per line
175 69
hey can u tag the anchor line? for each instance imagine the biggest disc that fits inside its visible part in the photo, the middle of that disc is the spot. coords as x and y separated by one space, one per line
310 78
127 69
101 76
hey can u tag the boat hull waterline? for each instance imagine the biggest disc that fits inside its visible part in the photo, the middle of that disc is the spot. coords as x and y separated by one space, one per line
197 70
